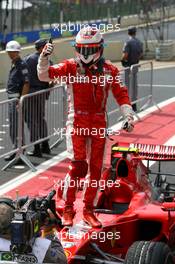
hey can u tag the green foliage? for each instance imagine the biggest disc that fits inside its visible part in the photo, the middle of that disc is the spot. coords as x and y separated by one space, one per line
21 39
47 12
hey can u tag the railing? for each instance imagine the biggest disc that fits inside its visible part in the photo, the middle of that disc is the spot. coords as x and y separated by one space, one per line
41 116
9 112
139 80
141 85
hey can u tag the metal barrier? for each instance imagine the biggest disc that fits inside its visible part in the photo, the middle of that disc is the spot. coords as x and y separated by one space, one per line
9 127
139 80
40 118
141 86
113 111
114 114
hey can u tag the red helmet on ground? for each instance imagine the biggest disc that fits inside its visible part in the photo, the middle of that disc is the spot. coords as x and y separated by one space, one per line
89 45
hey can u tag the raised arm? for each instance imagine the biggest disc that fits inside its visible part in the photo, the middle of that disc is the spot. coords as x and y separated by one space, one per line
47 72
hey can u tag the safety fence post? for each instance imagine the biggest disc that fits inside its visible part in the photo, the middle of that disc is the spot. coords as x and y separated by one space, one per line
40 117
9 127
142 84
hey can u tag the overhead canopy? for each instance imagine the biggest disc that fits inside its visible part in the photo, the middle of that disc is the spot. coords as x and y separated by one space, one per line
15 4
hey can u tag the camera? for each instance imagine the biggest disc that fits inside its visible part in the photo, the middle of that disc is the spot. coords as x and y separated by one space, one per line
27 222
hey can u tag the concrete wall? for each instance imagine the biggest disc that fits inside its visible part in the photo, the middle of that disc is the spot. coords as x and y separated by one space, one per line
63 50
137 20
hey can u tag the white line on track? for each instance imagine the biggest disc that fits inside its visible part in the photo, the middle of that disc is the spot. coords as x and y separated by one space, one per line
54 103
2 90
146 112
155 67
60 157
157 85
29 175
19 167
159 67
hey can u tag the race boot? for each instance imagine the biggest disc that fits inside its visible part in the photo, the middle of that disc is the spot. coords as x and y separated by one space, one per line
68 215
90 218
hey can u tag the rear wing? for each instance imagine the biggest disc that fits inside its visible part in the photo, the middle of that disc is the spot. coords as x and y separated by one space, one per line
146 151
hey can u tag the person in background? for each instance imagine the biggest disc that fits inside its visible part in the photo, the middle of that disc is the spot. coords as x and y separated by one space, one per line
132 52
35 116
17 85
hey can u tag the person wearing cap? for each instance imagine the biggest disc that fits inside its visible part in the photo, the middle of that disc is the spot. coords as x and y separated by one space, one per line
47 248
17 85
35 116
132 52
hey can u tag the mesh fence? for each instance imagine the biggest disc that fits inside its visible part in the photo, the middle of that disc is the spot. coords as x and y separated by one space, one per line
22 15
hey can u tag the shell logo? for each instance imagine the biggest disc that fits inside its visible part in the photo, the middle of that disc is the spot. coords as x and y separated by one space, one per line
67 253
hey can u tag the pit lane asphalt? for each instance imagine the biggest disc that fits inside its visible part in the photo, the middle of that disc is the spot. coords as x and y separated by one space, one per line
163 88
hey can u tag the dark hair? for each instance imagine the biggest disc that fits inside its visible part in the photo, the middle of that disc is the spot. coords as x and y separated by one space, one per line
132 30
40 43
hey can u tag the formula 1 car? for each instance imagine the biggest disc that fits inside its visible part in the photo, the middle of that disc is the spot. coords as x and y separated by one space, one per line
136 208
135 205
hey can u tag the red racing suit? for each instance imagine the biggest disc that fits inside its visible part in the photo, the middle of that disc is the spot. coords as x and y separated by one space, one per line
87 91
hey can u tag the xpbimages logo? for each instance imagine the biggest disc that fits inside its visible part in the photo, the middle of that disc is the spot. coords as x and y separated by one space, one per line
102 80
81 131
101 236
86 183
74 27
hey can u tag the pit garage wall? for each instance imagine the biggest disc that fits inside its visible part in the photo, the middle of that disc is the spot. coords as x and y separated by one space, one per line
62 51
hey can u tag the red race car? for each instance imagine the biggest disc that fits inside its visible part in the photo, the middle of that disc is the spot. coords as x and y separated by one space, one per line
137 215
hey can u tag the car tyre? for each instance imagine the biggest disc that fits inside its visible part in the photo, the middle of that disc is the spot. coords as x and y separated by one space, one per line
146 252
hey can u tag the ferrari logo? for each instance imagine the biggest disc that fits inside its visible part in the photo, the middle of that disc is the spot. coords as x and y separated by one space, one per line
67 253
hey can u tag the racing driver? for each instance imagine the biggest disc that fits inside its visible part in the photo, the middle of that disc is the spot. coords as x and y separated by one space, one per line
87 97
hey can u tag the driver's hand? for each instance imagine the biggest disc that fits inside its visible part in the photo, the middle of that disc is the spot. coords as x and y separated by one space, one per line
128 124
48 49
